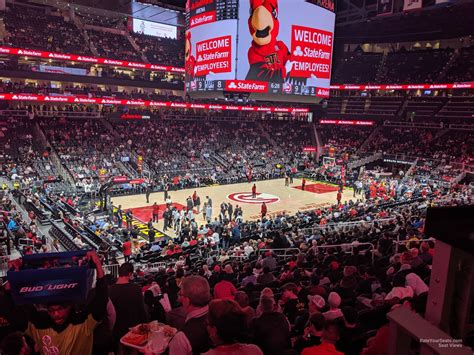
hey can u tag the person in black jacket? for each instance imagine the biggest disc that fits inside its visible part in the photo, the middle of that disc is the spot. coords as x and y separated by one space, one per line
271 331
128 302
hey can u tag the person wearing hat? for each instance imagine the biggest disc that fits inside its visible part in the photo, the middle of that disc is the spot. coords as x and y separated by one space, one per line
334 301
316 304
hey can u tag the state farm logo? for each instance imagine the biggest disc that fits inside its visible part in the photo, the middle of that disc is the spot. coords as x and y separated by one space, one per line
29 52
136 65
133 102
322 93
462 86
87 59
158 103
111 102
246 197
113 62
202 19
56 99
59 56
25 97
85 100
158 67
246 85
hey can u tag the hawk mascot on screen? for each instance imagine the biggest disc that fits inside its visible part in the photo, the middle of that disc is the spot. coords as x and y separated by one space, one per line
269 58
189 60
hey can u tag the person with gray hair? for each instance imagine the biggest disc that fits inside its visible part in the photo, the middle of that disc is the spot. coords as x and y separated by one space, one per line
194 296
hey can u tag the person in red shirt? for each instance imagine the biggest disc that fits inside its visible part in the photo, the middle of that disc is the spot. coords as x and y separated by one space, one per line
339 197
254 191
303 183
156 211
224 289
127 249
264 209
373 191
423 193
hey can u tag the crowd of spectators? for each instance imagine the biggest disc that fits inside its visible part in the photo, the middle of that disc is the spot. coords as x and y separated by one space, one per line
160 50
224 152
42 29
356 67
33 28
341 141
402 66
313 298
113 45
86 148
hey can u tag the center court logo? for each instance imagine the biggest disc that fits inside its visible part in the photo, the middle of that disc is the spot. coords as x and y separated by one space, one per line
246 197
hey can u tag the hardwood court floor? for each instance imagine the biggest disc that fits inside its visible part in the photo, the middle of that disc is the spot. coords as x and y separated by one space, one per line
281 198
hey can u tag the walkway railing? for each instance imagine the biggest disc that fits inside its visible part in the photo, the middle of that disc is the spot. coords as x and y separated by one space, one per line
113 269
350 246
315 227
280 252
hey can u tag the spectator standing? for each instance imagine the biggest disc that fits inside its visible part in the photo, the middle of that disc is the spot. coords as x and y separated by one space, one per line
128 302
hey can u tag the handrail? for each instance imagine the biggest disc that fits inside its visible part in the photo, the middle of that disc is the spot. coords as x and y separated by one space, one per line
413 124
407 326
4 265
111 269
287 251
463 127
345 224
349 245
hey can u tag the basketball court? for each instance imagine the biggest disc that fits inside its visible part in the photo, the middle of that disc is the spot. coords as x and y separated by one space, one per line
278 198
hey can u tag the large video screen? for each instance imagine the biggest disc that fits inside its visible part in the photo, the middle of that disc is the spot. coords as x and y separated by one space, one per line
271 49
154 29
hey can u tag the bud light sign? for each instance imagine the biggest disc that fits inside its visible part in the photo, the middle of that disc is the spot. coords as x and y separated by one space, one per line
51 285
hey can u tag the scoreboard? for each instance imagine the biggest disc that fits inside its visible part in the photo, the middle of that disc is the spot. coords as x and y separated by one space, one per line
269 49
